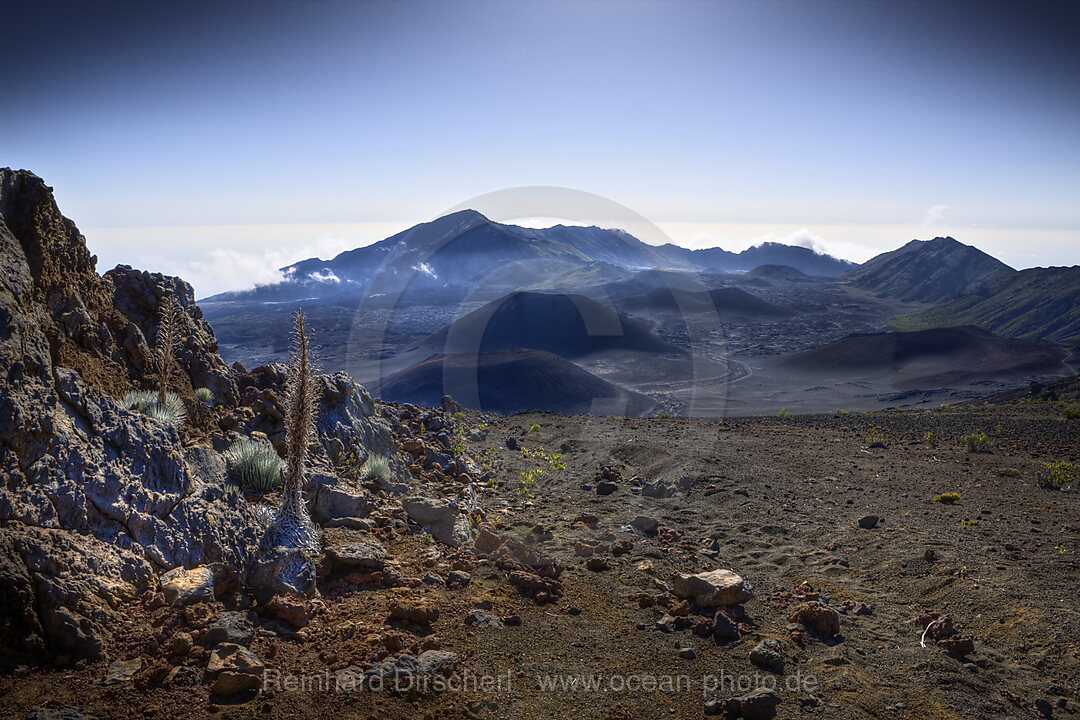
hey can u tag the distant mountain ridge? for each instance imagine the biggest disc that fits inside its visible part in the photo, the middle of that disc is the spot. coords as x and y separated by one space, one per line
929 271
467 249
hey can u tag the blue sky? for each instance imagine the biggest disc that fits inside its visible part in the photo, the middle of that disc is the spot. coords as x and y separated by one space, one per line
217 139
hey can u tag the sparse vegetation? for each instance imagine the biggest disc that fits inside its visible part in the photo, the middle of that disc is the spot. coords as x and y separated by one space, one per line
929 438
948 498
875 437
535 427
171 412
254 466
375 467
168 339
489 461
163 405
977 442
292 525
784 414
204 395
553 459
528 481
458 443
1070 410
1057 475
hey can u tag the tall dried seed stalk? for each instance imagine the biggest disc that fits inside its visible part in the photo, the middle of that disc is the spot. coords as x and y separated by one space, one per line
168 338
300 401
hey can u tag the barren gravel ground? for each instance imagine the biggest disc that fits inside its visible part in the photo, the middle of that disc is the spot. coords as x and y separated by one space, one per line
776 500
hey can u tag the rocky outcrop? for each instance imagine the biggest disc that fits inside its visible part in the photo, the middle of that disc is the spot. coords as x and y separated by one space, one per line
137 294
77 584
94 499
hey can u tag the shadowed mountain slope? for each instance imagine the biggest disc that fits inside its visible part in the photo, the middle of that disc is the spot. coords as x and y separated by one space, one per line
1041 303
933 356
725 302
509 381
567 325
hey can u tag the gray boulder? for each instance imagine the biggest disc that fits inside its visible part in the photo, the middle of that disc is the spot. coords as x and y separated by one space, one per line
349 550
230 627
658 489
279 571
442 519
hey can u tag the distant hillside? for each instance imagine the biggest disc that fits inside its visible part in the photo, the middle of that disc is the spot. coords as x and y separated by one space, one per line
802 259
932 357
725 302
567 325
782 273
1041 303
509 381
927 271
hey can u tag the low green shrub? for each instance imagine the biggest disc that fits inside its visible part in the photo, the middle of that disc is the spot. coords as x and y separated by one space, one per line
978 442
204 395
146 402
254 466
1057 475
375 467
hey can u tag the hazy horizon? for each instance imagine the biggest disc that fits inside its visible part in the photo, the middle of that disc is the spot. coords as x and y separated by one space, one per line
216 259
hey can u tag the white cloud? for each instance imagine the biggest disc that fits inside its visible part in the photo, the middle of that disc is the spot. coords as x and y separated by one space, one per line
426 269
934 216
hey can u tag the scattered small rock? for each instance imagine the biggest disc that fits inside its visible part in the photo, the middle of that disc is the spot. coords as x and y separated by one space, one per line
766 654
121 671
416 613
482 618
757 704
644 524
292 610
182 643
231 627
723 627
658 489
818 615
713 588
458 578
182 586
235 669
869 522
605 488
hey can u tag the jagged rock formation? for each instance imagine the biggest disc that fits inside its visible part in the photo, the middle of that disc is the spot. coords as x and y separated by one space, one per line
96 501
93 499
